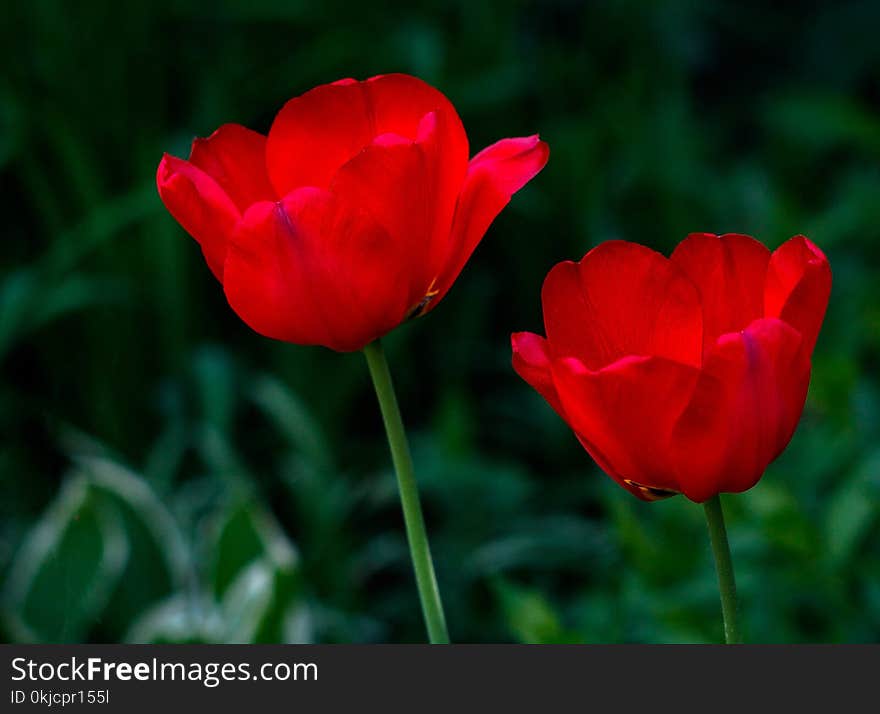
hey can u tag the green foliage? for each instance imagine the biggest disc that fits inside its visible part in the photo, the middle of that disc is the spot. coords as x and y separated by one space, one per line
168 475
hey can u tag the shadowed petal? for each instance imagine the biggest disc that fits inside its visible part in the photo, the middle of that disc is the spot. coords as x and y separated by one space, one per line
410 188
200 206
531 360
798 286
744 411
622 299
235 157
729 273
311 270
493 176
316 133
626 413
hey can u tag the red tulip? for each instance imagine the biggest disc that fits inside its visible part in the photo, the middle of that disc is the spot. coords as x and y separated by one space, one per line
681 375
357 212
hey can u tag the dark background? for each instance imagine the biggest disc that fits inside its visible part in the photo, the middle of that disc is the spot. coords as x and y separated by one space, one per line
168 475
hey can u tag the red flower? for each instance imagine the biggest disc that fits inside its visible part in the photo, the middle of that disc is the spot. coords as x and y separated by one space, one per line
686 374
358 211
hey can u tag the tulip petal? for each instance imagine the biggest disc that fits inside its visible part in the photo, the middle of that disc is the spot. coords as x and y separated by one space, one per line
235 157
729 273
410 188
625 413
316 133
493 176
311 270
399 102
532 362
744 410
200 206
622 299
798 286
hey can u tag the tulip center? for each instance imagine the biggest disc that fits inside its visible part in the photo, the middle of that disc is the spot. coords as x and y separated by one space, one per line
650 492
422 305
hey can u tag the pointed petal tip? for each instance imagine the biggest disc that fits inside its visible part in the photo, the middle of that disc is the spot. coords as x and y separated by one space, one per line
817 252
162 169
516 338
532 361
168 170
529 346
538 149
798 286
532 140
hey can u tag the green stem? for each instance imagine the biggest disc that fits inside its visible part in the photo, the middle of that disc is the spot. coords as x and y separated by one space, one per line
419 550
724 567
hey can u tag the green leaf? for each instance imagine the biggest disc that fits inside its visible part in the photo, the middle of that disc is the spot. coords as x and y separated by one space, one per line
254 573
67 568
180 619
852 511
160 561
245 534
528 615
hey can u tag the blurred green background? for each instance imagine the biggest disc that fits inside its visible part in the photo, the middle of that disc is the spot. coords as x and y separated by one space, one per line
169 475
